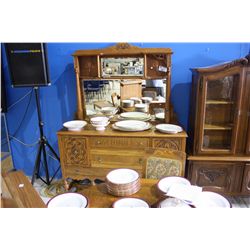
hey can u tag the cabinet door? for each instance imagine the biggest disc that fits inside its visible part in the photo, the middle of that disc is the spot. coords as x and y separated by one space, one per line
221 176
246 180
219 118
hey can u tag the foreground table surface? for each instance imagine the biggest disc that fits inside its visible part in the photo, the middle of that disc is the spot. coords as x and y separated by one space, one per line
99 197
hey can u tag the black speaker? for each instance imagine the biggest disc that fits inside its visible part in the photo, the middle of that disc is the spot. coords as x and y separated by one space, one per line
28 64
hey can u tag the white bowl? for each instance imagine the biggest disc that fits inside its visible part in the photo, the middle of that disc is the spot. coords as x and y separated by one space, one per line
127 103
173 202
130 203
160 115
99 120
165 183
68 200
109 110
210 199
100 126
122 176
75 125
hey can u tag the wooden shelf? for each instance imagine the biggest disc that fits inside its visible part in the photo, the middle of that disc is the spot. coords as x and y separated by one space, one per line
218 102
216 127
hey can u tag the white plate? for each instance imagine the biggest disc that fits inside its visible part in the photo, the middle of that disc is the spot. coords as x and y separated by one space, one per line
131 124
134 115
67 200
165 183
168 128
130 203
75 125
160 116
210 199
173 202
138 119
122 176
132 129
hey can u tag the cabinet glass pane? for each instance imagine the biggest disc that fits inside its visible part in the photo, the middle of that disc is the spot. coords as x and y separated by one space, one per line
220 108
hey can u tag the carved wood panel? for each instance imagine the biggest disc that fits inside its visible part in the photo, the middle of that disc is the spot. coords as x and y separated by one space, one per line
246 180
226 177
75 151
88 66
174 144
120 142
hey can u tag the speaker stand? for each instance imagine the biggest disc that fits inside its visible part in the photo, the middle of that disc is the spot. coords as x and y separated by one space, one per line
43 142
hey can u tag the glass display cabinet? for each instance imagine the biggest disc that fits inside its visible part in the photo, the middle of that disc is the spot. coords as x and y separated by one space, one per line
219 128
122 62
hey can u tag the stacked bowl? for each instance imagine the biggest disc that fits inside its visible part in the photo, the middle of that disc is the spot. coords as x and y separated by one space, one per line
99 122
123 182
128 103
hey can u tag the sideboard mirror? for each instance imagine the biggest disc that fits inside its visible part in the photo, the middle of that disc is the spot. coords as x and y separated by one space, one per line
122 63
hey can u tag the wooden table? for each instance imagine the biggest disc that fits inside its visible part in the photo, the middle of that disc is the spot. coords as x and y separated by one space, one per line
99 197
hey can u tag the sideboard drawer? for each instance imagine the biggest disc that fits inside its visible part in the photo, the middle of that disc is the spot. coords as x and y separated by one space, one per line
173 144
118 142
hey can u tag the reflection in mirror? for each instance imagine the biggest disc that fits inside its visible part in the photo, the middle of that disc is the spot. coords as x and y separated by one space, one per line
110 93
128 66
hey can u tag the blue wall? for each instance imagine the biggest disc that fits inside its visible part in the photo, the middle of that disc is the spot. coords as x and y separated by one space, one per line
58 101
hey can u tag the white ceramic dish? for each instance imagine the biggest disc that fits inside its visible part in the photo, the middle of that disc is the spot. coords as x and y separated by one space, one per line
149 126
165 183
210 199
130 203
160 116
131 124
173 202
128 103
135 115
109 110
99 120
122 176
75 125
100 126
68 200
169 128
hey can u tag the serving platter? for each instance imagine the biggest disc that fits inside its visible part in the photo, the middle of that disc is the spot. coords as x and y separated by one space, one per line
149 126
169 128
135 115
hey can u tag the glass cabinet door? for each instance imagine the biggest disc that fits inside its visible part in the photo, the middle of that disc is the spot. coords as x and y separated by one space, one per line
220 113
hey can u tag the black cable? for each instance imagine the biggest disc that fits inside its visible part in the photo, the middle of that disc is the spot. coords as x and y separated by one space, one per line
25 113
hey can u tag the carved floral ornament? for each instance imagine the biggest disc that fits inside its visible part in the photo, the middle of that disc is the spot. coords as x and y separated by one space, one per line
212 175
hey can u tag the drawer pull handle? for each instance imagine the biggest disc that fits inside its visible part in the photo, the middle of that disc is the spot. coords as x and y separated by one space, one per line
98 142
99 159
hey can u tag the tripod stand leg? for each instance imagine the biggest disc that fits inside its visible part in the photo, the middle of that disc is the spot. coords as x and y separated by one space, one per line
46 165
37 164
53 151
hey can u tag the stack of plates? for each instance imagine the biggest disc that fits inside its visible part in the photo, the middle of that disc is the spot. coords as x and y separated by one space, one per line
135 116
123 182
169 128
131 125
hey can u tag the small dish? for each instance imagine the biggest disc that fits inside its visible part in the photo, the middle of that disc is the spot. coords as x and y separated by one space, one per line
164 184
99 120
75 125
68 200
160 116
173 202
130 203
100 126
127 103
109 110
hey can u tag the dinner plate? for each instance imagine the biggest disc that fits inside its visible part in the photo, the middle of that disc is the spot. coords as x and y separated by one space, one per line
165 183
67 200
134 115
122 176
131 124
134 118
75 125
168 128
132 129
130 203
210 199
173 202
